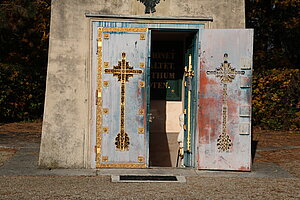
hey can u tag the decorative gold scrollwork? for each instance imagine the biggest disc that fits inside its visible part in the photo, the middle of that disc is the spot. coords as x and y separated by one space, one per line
141 112
122 141
142 65
105 111
105 129
226 74
142 36
140 159
106 64
141 130
105 83
106 35
104 158
141 84
224 142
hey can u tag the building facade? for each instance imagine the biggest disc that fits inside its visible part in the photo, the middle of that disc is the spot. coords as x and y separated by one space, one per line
122 74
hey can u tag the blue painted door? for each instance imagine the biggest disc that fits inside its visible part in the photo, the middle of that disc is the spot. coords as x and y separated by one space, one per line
122 99
224 104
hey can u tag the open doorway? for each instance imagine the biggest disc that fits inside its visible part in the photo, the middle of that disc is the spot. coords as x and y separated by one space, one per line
169 56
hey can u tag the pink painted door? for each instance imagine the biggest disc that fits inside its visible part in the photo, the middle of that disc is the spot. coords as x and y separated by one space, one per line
224 104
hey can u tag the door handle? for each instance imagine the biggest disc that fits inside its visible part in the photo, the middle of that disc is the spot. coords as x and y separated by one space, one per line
151 117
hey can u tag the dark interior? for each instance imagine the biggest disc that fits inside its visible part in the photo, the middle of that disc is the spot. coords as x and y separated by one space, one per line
168 56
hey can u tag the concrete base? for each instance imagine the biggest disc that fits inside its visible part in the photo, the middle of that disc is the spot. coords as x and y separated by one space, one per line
25 163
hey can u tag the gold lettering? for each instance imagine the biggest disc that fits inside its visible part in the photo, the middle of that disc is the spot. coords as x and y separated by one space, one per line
171 65
173 55
163 65
159 65
153 85
152 75
159 85
158 75
166 75
162 75
171 75
163 55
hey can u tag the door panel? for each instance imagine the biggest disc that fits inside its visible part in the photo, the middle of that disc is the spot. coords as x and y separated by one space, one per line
190 96
122 103
224 115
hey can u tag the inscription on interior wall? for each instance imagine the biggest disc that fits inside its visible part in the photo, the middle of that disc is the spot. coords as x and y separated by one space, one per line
166 70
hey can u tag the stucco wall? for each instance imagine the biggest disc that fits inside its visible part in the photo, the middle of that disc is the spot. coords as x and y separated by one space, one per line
66 125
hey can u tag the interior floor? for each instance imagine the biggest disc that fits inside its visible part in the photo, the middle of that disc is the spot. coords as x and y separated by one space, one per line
168 58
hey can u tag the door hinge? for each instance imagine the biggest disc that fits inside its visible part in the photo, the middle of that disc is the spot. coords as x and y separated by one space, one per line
99 43
96 150
96 97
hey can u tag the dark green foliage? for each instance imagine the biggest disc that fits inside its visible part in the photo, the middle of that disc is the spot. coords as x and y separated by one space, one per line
276 78
276 99
276 26
21 93
24 31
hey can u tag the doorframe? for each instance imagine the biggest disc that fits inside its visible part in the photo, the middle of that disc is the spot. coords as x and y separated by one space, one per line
167 24
190 158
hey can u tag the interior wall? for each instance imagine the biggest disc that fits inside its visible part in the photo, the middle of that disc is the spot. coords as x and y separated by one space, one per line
165 115
164 130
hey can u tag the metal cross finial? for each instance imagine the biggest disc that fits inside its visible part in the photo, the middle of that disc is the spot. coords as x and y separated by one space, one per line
149 5
123 71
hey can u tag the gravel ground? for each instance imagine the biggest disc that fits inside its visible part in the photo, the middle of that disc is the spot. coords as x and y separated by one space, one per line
101 188
6 154
280 149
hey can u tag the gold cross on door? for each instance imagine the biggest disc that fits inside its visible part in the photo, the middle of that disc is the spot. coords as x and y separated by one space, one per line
123 71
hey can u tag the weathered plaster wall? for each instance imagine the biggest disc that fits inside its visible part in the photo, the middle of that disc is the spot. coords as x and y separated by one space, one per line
226 13
65 135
